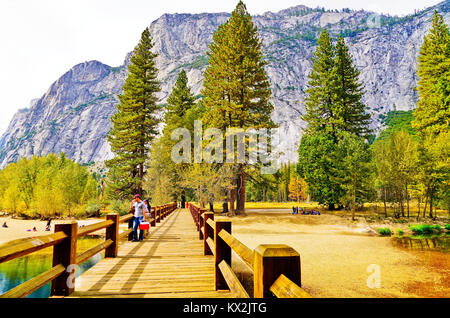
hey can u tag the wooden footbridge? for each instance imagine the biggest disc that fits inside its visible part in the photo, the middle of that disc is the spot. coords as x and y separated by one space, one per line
177 259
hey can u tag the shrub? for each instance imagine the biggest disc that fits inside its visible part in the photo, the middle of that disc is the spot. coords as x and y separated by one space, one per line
385 231
421 229
80 211
400 232
120 207
447 227
93 208
437 228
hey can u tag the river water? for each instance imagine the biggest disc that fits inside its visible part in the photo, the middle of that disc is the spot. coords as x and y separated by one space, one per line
21 269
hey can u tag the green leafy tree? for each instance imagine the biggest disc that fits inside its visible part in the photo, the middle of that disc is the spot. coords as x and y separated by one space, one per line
135 122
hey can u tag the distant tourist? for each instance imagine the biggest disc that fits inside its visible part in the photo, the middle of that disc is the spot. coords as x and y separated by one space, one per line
139 215
48 226
183 201
4 224
34 229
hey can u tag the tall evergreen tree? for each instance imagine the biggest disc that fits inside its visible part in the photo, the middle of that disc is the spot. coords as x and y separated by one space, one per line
432 114
349 109
236 89
181 111
179 101
333 107
134 123
319 105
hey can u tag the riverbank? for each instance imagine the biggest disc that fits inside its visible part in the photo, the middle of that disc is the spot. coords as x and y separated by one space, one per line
337 255
18 229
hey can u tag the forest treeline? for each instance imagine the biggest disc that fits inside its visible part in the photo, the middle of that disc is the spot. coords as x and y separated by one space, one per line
341 162
50 186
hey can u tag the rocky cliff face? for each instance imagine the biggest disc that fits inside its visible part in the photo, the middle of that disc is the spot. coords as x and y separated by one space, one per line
73 116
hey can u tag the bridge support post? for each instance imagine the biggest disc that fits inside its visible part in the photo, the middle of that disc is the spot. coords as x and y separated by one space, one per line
130 226
222 253
270 261
208 232
200 227
112 233
153 222
65 253
158 214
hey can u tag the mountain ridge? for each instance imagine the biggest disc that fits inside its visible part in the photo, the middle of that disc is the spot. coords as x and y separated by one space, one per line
73 115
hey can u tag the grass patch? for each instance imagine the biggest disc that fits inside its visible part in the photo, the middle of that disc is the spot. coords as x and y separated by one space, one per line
385 231
421 229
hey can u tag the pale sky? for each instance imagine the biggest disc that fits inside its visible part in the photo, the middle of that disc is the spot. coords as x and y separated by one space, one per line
42 39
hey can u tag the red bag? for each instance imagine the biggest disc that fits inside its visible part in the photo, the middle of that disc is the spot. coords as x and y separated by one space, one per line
144 226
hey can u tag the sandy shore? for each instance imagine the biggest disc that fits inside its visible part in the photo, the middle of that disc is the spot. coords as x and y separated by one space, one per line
336 253
17 229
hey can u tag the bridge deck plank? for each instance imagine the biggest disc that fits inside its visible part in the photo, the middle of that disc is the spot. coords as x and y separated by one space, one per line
169 263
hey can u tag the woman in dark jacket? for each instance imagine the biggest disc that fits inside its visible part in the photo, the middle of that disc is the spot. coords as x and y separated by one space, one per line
149 208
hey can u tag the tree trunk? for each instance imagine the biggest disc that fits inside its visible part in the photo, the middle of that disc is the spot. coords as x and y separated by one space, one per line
240 200
425 207
407 198
384 202
431 204
353 204
418 205
402 211
232 201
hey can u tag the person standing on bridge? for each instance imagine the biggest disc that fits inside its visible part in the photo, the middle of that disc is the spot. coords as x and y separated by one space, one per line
139 216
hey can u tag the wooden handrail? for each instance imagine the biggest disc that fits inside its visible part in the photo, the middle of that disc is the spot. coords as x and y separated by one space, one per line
232 281
29 245
210 243
64 254
240 249
93 228
34 283
211 223
125 218
269 263
285 288
125 233
92 251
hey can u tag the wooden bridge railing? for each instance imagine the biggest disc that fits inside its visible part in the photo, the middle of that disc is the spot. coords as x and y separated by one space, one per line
276 268
65 257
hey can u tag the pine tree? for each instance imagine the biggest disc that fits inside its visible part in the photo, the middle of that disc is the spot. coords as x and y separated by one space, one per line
319 105
334 92
236 88
317 166
349 109
179 102
181 111
134 123
432 114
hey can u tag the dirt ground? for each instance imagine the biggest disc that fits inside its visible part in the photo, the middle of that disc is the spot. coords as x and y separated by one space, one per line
336 254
